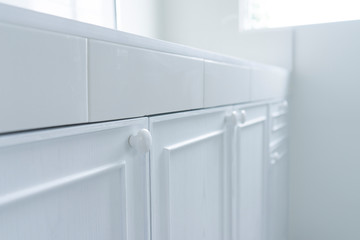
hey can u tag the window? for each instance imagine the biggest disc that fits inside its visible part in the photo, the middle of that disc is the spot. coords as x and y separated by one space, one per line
257 14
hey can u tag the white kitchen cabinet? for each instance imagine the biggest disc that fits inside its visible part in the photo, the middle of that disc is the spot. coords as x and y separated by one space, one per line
189 175
216 173
248 173
277 168
74 183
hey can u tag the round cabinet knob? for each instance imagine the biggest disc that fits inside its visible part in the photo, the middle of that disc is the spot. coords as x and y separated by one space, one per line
242 116
233 118
276 155
285 105
141 141
274 158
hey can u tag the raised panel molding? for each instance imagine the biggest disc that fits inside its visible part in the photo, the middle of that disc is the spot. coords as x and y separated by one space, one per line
81 183
191 141
33 191
169 150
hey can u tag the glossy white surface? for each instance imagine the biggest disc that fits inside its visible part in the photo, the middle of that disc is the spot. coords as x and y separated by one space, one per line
139 17
127 82
268 82
188 176
75 183
216 28
123 81
28 18
42 80
141 141
225 84
98 12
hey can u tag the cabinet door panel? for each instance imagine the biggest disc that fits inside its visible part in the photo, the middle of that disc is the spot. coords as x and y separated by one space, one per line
248 175
188 175
74 183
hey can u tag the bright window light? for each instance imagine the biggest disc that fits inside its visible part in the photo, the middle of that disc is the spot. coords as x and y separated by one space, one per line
257 14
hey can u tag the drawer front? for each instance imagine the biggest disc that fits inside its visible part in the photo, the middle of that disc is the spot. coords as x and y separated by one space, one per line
268 83
127 82
278 122
225 84
43 79
74 183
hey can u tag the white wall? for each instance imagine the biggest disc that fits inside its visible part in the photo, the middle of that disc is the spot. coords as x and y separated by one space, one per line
141 17
325 133
213 25
98 12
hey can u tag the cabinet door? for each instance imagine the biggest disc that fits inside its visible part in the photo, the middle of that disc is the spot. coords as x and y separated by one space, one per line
188 175
277 180
75 183
248 173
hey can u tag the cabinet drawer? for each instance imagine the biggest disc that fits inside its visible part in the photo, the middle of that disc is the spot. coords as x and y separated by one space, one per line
42 79
279 153
74 183
127 82
279 108
268 82
225 84
278 120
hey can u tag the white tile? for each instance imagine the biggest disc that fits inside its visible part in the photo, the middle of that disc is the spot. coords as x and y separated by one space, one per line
128 82
225 84
42 79
268 82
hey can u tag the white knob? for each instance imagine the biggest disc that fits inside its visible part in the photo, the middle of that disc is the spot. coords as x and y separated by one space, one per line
276 155
233 118
141 141
285 105
274 158
242 116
